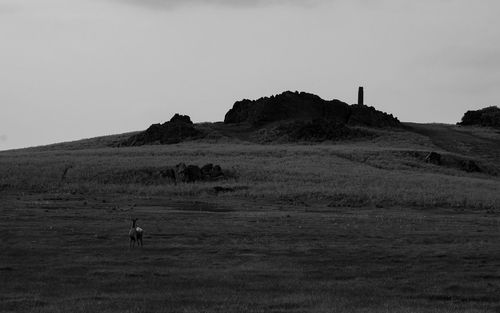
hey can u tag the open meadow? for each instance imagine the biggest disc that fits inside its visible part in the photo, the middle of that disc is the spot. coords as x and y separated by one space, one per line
358 226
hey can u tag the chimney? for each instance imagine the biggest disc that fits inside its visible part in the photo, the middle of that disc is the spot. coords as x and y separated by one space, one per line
360 95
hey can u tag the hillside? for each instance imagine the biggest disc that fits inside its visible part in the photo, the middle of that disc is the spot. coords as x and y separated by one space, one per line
461 144
474 142
464 151
340 226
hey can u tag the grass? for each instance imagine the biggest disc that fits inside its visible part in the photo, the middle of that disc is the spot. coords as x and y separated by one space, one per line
352 227
251 256
359 176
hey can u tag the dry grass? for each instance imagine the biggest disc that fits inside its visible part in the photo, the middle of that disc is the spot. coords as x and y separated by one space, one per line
243 256
354 227
351 175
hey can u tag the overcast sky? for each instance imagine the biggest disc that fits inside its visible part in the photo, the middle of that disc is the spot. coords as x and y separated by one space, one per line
72 69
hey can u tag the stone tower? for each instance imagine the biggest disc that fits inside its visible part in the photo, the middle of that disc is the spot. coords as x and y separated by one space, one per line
360 95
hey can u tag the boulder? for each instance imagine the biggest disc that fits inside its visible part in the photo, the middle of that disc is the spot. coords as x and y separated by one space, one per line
192 173
453 161
177 118
206 170
433 158
219 189
168 173
469 166
180 172
216 172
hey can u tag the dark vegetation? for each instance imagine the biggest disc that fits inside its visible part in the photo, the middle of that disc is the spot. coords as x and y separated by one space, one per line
389 219
489 116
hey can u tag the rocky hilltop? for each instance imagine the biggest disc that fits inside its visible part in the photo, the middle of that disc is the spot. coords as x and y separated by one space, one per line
287 117
489 116
293 106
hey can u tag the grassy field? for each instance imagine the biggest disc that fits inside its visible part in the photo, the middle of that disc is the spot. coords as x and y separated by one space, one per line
362 226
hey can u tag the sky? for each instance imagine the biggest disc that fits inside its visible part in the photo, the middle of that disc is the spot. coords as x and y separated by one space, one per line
73 69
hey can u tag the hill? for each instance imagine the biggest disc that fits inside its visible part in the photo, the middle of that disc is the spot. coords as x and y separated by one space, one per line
287 117
369 224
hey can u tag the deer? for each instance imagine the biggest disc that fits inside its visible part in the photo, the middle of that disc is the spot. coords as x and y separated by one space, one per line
135 234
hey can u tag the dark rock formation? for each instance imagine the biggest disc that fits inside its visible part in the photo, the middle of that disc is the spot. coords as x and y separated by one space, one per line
178 129
460 163
290 116
216 172
192 173
489 116
362 115
453 161
206 170
168 173
286 106
181 173
304 106
177 118
470 166
433 158
219 189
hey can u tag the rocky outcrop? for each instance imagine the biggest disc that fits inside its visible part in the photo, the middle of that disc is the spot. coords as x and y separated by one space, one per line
183 119
489 116
178 129
433 158
453 161
182 173
286 106
290 116
470 166
210 171
362 115
304 106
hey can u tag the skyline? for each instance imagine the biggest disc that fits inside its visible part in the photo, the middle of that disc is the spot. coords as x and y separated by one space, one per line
78 69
